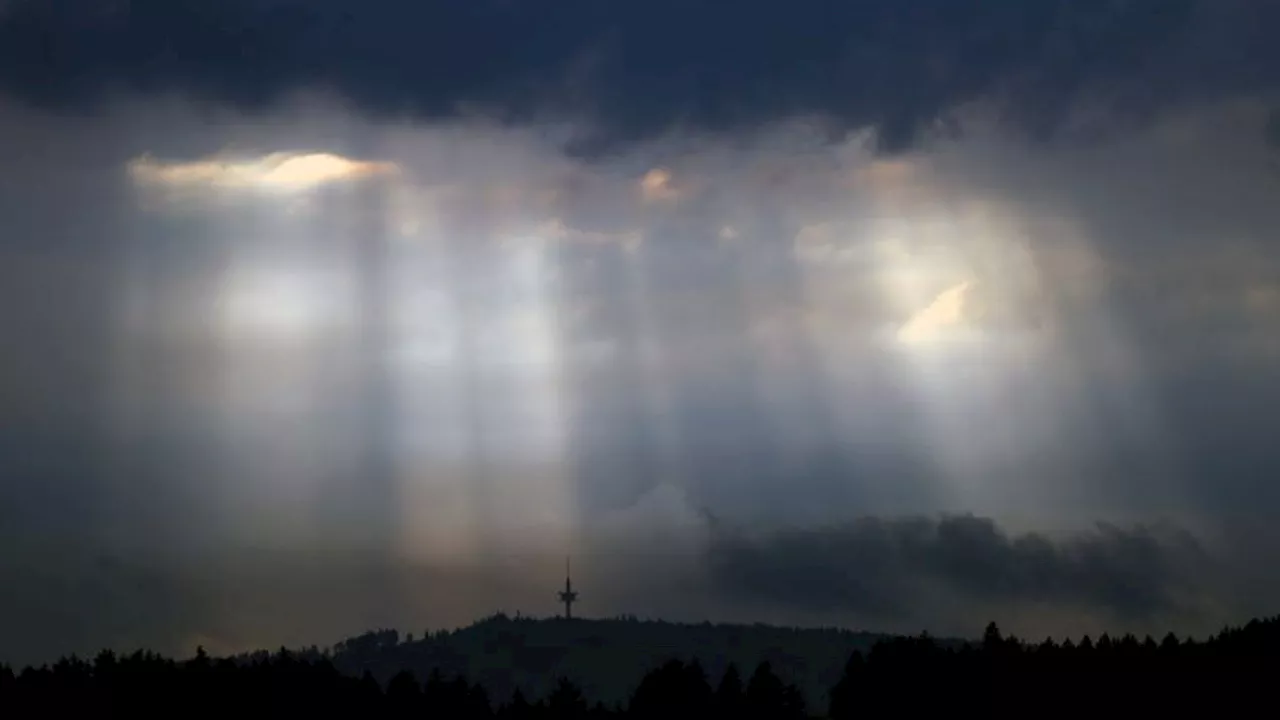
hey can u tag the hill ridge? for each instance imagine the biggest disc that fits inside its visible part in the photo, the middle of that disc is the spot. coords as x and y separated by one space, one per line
604 656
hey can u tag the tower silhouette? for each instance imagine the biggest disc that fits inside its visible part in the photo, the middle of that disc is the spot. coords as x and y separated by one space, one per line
568 596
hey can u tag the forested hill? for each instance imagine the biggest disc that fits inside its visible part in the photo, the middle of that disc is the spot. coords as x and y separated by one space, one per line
604 657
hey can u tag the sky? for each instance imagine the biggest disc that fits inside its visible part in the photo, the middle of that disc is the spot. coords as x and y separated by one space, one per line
893 314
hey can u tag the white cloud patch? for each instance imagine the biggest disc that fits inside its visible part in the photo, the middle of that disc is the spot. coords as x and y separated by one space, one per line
281 172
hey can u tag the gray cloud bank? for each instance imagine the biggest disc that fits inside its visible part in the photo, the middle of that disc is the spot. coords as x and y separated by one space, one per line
902 570
637 69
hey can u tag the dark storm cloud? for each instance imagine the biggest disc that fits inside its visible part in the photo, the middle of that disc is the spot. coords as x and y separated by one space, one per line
891 567
636 69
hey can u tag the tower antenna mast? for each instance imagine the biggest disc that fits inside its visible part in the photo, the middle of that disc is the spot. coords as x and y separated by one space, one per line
568 596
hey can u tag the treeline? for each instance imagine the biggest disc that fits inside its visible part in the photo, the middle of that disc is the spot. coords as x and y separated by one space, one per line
283 683
1000 676
1226 674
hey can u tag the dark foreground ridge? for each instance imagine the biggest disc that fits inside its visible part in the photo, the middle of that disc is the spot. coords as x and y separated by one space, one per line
999 676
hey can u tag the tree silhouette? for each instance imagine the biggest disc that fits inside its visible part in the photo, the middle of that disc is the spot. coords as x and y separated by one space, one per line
518 708
566 701
844 698
769 697
672 688
730 698
991 638
404 695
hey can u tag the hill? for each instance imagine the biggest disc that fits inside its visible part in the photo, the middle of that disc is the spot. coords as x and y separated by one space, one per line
603 657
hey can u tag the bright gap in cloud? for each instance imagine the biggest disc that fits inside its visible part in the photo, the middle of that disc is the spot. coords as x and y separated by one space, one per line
279 172
930 324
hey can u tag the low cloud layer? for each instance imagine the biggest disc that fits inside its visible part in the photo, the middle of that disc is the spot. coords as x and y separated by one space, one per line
924 570
637 69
